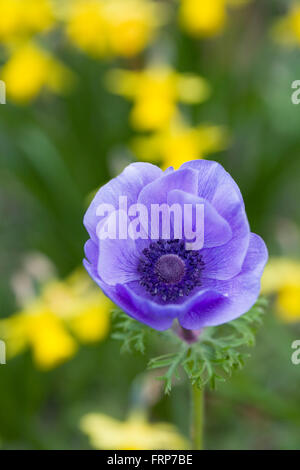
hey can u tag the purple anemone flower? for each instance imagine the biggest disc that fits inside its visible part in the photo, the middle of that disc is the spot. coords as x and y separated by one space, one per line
157 280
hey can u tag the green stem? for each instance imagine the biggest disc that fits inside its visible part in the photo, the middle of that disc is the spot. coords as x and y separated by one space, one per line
197 417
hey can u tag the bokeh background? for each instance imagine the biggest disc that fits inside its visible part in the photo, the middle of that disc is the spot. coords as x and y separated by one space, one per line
92 85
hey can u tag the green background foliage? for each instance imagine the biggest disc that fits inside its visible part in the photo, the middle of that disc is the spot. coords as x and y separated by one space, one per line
57 151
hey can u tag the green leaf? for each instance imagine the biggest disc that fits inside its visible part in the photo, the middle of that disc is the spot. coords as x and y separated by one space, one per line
129 331
213 358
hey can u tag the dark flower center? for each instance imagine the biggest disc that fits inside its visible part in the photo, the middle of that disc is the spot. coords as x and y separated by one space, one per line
169 271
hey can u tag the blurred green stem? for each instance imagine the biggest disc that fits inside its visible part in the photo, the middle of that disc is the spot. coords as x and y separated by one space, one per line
197 418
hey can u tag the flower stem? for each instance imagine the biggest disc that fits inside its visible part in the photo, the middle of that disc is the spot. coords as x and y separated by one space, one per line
197 418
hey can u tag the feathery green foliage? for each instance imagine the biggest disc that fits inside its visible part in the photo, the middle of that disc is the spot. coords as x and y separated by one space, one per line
214 357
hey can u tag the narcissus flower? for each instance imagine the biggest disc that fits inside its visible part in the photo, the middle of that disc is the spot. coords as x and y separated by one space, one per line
86 26
50 324
29 70
155 92
19 18
115 27
180 143
158 279
136 433
282 279
132 25
286 30
205 18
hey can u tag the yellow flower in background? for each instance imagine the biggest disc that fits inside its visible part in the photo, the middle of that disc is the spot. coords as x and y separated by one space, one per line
79 304
205 18
29 70
87 27
37 15
155 93
50 324
19 18
180 143
9 19
113 27
282 278
50 342
137 433
40 330
132 25
286 30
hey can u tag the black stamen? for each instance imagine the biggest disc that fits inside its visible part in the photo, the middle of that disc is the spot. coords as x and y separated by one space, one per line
169 271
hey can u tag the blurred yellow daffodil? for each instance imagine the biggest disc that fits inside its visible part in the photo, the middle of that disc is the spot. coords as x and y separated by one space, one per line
43 332
286 30
180 143
51 323
155 92
136 433
282 278
205 18
113 27
22 18
87 26
132 25
29 70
